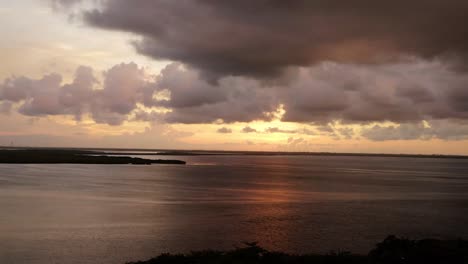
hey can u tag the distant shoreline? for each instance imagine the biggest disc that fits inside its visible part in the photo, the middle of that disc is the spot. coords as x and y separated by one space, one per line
186 153
167 152
67 156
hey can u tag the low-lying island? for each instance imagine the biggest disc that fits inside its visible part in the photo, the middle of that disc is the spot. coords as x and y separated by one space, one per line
72 156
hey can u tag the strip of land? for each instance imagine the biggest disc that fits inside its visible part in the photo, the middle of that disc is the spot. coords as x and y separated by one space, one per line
272 153
181 153
72 156
392 250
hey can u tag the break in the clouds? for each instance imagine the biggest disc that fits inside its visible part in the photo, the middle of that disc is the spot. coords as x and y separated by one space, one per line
261 38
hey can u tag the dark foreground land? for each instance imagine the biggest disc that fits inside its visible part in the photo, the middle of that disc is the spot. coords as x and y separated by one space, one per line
64 156
392 250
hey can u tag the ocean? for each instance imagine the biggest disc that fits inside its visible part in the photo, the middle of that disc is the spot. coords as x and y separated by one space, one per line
298 204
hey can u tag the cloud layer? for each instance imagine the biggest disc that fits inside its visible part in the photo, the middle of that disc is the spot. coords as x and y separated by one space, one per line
408 92
315 62
123 87
436 129
261 38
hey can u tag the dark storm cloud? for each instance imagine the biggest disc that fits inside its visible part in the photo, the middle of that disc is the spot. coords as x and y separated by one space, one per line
261 38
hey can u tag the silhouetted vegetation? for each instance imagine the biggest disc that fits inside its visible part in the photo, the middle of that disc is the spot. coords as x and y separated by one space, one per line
61 156
392 250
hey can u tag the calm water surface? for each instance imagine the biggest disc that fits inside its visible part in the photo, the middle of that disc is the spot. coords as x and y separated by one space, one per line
119 213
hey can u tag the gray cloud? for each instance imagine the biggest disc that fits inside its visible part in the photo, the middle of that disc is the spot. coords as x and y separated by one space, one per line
320 95
435 129
326 128
63 3
261 38
303 131
309 132
295 141
346 132
447 130
401 132
224 130
124 86
5 107
151 116
47 96
192 99
232 99
279 130
248 129
403 92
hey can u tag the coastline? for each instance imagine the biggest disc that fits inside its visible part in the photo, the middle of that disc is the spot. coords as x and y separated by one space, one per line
66 156
180 152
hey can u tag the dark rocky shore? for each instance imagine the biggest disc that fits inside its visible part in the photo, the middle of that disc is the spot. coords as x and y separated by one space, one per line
392 250
64 156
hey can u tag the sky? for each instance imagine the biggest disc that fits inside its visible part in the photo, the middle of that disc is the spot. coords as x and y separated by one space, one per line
272 75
